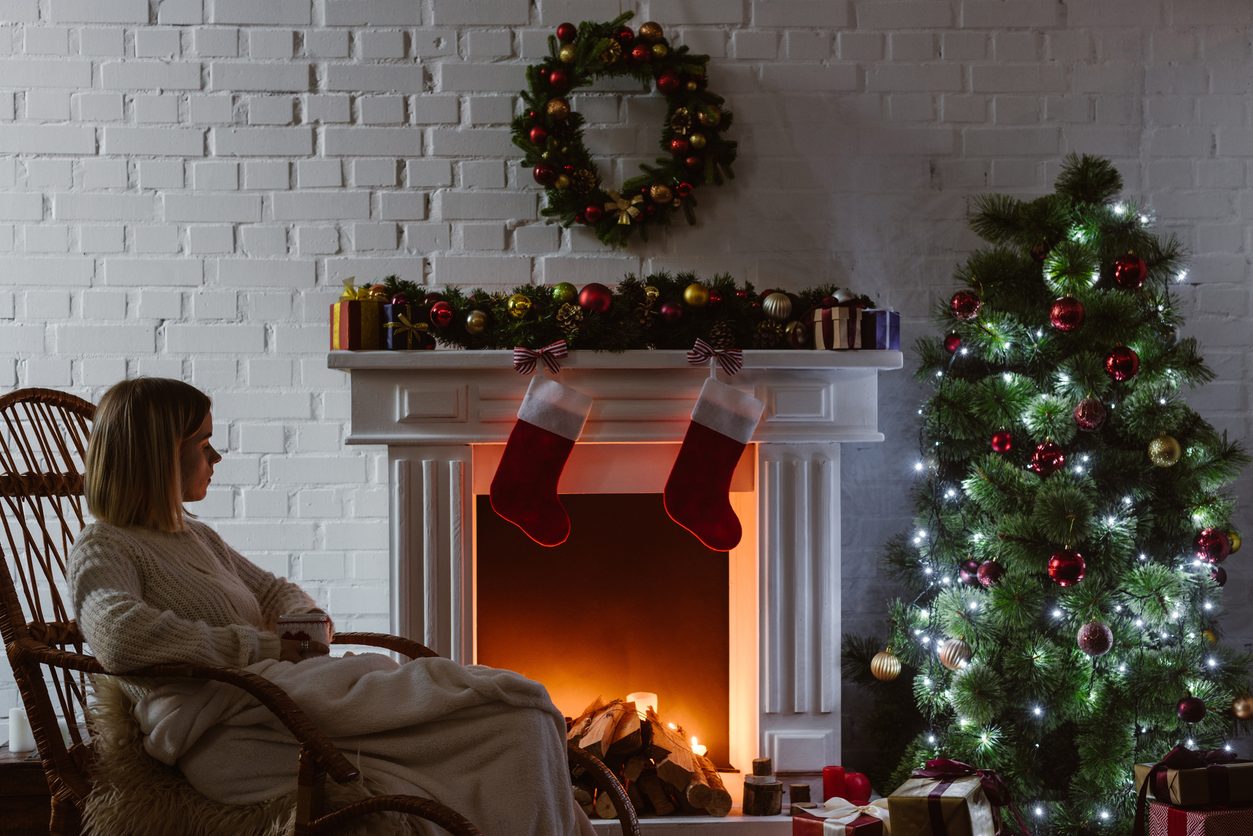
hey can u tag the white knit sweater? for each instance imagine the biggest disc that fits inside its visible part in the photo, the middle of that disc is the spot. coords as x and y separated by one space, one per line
144 596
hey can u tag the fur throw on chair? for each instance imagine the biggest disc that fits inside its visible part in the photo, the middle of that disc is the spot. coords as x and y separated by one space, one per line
136 795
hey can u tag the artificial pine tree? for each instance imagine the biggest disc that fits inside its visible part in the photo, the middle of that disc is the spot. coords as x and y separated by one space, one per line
1070 515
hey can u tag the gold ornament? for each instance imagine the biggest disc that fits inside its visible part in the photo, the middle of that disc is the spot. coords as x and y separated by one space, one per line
690 86
885 666
660 50
777 305
378 293
567 54
955 654
1242 707
797 334
709 116
562 181
651 293
651 31
1233 537
476 322
681 121
519 305
698 141
558 109
696 295
612 53
1209 635
660 193
584 180
1164 451
625 210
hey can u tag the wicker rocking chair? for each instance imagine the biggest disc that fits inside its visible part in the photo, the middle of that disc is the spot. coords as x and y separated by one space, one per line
43 438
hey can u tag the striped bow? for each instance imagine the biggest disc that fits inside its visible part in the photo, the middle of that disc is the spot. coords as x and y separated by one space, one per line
524 359
730 359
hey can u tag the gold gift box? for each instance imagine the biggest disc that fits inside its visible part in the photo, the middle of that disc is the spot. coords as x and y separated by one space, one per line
1191 787
963 805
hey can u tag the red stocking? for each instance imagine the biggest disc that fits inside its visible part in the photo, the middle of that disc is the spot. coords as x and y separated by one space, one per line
524 489
723 422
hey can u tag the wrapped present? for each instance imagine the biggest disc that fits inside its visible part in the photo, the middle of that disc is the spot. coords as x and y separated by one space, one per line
357 319
838 817
953 799
1188 778
837 327
881 329
405 334
1168 820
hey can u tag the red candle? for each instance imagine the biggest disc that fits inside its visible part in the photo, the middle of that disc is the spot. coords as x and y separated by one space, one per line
833 782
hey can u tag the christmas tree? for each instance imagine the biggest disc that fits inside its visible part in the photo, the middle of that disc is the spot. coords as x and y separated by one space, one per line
1070 515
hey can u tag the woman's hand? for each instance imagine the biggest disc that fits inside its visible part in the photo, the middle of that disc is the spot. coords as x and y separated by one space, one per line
297 650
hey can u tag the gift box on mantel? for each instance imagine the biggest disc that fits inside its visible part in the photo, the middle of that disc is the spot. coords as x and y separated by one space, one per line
837 326
356 319
839 817
1168 820
1188 778
401 332
881 329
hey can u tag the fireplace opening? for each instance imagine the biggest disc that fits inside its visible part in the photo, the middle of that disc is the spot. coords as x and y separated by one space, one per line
630 603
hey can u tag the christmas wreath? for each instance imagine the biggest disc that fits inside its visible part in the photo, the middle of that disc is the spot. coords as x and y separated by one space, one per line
550 132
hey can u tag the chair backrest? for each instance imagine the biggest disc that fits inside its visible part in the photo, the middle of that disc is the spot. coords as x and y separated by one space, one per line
43 440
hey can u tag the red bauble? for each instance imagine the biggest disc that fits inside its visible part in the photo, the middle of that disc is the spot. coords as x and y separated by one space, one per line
641 54
441 314
595 297
1066 567
952 342
684 188
1130 271
1066 314
1047 459
1095 638
669 83
559 80
400 299
741 294
715 297
544 174
965 304
1191 709
990 573
625 36
538 135
1002 441
1089 414
431 298
1212 545
532 115
679 146
567 32
670 312
593 213
968 572
1219 575
1122 363
693 162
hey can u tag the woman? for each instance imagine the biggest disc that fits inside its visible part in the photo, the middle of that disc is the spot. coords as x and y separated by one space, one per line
152 584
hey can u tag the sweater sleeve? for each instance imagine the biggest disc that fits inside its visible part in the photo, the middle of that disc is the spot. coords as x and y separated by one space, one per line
275 596
126 633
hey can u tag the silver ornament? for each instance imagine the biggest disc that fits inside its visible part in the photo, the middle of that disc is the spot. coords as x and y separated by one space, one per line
777 306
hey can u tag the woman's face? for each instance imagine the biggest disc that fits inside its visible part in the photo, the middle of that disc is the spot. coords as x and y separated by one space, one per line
196 458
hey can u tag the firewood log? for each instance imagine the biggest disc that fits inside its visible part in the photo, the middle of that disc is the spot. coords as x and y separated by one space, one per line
719 803
634 767
650 787
604 806
584 799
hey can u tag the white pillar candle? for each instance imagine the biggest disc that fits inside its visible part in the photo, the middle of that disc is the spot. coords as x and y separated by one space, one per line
643 700
21 738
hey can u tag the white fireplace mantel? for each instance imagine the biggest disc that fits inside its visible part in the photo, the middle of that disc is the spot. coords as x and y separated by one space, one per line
433 410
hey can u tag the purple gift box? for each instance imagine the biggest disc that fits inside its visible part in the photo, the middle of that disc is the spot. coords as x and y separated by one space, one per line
881 329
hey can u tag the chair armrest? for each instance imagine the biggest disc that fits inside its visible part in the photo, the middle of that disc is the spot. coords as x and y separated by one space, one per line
396 644
604 778
263 690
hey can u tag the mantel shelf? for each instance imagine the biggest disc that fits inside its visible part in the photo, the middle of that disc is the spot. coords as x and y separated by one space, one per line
502 359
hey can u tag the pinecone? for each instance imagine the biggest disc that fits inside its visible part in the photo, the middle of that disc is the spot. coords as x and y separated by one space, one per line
584 180
722 336
769 334
644 313
569 318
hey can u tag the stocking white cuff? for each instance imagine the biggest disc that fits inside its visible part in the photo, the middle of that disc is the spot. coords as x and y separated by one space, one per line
727 410
551 406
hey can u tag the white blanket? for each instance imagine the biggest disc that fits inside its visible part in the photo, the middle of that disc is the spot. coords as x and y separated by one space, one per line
488 743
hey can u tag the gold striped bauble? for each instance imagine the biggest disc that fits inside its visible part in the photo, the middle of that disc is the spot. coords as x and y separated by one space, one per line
885 666
1242 707
955 654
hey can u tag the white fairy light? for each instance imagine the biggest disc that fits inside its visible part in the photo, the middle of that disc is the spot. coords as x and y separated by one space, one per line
927 570
1007 377
1057 613
946 580
1122 668
950 493
926 640
919 467
926 680
1139 622
1078 470
1181 276
1039 332
931 739
1039 810
1118 608
921 534
1211 662
1126 500
939 373
1191 743
1103 814
974 605
1207 606
964 352
1111 520
1085 458
1161 401
1095 277
1144 219
1143 556
1227 747
1120 209
1037 711
1063 377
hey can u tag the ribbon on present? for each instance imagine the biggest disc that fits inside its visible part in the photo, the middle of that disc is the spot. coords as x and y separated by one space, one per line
525 359
1212 761
627 210
352 293
413 331
844 812
730 360
946 770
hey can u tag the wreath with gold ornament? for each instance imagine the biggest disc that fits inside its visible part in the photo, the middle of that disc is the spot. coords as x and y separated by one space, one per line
550 132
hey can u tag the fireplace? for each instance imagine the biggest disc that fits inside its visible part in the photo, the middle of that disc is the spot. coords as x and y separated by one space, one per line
764 618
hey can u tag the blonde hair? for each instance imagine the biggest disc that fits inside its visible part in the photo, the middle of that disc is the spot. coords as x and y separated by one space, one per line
131 472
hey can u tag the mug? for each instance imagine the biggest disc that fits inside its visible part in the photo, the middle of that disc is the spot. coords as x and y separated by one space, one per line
305 627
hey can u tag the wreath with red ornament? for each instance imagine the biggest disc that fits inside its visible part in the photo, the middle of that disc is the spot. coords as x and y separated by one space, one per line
550 132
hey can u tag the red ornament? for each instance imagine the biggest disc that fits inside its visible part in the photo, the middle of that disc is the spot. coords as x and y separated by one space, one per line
431 299
741 294
1090 414
593 213
693 162
1219 575
1066 567
1095 638
1212 545
441 314
669 83
670 312
1191 709
679 146
400 299
684 188
968 572
1130 271
715 298
1002 441
544 174
559 80
567 32
538 135
595 297
990 573
1047 459
1122 363
532 115
625 36
641 54
965 304
1066 314
952 342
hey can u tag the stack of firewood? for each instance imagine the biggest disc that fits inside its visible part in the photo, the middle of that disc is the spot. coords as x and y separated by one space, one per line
661 773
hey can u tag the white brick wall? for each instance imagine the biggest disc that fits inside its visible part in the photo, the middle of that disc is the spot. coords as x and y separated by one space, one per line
182 190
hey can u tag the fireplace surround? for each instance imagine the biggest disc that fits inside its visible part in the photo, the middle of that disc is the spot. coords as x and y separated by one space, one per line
444 416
